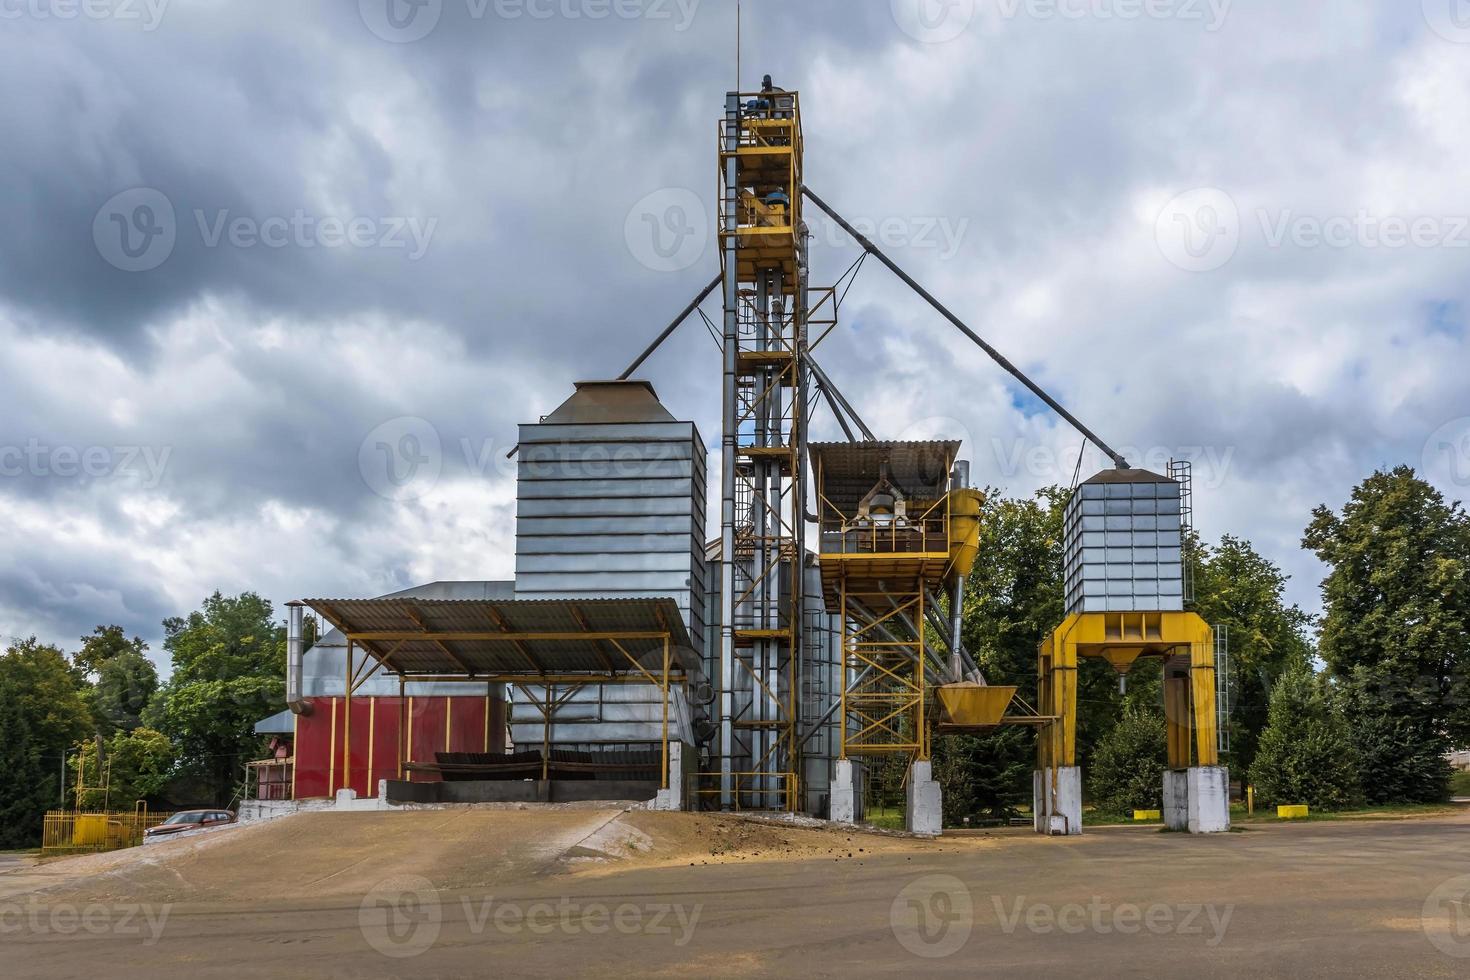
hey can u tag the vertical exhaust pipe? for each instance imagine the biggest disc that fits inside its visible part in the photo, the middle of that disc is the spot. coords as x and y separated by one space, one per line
295 655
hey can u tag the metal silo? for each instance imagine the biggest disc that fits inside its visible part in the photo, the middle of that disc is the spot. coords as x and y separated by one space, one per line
1123 543
610 504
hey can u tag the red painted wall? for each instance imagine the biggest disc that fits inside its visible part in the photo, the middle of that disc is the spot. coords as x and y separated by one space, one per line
458 721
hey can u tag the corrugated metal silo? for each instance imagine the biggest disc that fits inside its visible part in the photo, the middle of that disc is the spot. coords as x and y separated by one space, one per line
610 497
1123 544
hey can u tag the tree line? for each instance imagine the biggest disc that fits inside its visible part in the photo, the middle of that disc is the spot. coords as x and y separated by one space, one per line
99 715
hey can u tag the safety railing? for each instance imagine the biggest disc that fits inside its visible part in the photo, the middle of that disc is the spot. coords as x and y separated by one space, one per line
925 532
749 791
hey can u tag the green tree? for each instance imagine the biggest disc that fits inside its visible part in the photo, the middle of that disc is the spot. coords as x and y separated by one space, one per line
229 663
1306 753
1127 771
984 775
50 693
105 643
125 685
135 765
1396 762
26 790
1235 586
1396 628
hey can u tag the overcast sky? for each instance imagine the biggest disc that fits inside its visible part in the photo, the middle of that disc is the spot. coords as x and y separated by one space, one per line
247 245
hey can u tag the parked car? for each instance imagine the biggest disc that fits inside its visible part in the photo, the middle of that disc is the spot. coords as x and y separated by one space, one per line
189 820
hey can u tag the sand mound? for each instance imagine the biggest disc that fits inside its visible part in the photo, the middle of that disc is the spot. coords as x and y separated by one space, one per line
325 854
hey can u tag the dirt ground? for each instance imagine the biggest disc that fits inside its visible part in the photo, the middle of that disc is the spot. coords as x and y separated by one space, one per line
579 891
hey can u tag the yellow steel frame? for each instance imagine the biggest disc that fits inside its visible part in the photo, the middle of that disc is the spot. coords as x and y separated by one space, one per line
883 714
1183 639
769 153
886 712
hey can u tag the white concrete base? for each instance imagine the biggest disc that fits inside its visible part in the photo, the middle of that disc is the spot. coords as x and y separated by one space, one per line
845 793
924 813
1197 799
1065 818
673 797
347 799
1176 799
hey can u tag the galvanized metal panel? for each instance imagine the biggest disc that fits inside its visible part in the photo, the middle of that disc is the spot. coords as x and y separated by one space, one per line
1123 544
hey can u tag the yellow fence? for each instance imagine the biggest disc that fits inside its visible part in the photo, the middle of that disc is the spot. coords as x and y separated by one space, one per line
73 832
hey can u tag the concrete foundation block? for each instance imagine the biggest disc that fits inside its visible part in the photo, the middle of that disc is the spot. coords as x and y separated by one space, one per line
844 793
673 797
1209 800
1061 816
1197 799
1176 799
925 811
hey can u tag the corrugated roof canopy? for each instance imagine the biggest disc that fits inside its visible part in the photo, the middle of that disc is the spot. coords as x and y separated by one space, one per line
848 470
503 637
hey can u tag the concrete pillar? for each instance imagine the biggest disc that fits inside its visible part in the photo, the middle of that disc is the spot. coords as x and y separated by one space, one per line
1176 799
1209 800
1197 799
924 813
846 793
673 797
1063 816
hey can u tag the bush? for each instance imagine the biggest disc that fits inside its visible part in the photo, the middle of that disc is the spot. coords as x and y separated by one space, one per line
1306 753
1397 764
984 775
1127 771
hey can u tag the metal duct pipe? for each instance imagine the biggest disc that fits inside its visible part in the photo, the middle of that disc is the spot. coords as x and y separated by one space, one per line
295 655
959 479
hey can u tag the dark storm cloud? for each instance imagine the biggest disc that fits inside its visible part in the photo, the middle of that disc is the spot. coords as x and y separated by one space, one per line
511 152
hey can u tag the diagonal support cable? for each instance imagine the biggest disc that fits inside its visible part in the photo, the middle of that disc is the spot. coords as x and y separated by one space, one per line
943 311
827 387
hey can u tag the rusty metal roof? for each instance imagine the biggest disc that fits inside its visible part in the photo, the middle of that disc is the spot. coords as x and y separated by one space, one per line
848 470
528 656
